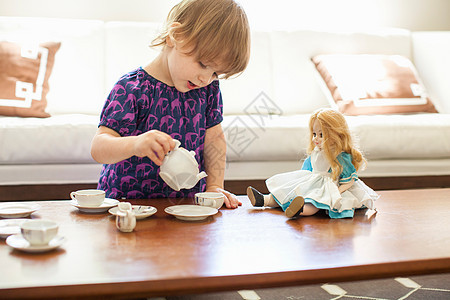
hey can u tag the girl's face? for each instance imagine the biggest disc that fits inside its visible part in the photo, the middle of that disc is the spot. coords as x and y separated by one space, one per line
317 134
186 72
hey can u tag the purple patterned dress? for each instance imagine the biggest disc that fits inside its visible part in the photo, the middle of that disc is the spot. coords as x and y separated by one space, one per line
138 103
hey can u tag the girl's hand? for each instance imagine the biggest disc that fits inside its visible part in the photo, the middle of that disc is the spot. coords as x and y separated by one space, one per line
154 144
230 199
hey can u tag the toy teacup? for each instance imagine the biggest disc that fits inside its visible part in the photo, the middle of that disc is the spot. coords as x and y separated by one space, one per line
210 199
39 232
88 198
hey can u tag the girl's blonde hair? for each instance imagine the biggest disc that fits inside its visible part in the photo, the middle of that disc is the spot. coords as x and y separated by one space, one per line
213 30
336 139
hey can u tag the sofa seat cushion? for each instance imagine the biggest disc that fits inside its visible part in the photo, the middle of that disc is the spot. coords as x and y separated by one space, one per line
58 139
265 137
415 136
285 138
67 138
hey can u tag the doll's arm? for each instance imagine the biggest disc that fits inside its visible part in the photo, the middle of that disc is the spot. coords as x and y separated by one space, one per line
307 164
343 187
215 160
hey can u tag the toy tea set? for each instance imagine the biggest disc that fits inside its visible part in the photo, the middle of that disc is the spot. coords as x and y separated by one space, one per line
179 170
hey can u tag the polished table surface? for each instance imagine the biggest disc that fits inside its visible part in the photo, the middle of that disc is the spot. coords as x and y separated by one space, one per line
232 250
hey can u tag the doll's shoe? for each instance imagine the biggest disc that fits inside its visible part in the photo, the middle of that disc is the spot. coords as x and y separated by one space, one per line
256 198
295 208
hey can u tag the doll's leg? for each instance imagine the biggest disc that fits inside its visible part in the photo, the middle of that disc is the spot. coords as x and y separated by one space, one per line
258 199
309 210
295 208
270 201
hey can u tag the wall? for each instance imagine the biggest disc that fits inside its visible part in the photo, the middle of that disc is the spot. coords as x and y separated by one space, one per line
415 15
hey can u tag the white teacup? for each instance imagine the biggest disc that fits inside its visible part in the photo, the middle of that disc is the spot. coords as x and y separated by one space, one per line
39 232
210 199
89 198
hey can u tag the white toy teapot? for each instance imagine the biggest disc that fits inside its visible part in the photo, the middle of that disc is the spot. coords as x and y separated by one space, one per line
125 219
179 168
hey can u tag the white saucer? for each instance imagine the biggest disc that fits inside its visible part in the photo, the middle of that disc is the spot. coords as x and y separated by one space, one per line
10 227
191 212
107 204
140 211
17 241
12 210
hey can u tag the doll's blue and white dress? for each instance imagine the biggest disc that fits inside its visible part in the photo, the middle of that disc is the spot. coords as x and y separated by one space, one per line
314 183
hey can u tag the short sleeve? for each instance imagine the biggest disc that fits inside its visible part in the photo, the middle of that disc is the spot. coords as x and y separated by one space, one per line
119 111
348 170
307 164
214 106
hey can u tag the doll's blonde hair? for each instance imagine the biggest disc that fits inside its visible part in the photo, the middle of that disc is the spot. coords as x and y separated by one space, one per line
336 139
213 30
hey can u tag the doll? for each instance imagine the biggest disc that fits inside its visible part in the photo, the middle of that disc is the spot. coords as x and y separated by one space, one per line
328 178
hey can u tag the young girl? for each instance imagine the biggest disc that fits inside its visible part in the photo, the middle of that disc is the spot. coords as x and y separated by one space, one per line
175 96
328 177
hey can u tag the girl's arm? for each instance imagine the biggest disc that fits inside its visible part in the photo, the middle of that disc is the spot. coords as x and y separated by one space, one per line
108 147
215 160
343 187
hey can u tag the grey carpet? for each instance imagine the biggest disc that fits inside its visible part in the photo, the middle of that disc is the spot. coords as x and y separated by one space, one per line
435 287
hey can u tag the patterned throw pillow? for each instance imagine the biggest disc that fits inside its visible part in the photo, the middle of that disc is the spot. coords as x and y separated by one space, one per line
24 75
372 84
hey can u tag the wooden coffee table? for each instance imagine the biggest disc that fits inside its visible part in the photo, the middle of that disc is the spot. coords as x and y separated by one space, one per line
246 248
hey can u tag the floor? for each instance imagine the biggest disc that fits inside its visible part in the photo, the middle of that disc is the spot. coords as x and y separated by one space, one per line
433 287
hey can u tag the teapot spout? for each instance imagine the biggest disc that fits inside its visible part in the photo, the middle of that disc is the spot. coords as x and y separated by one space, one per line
201 175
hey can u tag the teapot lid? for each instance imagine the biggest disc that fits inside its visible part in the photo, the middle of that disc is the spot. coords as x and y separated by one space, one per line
188 155
124 206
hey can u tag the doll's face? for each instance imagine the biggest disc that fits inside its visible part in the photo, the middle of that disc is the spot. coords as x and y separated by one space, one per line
317 134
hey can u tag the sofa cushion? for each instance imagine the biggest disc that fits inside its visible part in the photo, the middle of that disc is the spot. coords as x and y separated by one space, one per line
128 47
400 136
77 81
285 138
295 87
67 138
242 94
372 84
265 137
26 70
431 49
285 74
58 139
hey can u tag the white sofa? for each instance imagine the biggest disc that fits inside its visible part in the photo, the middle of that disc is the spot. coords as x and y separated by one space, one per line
266 108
